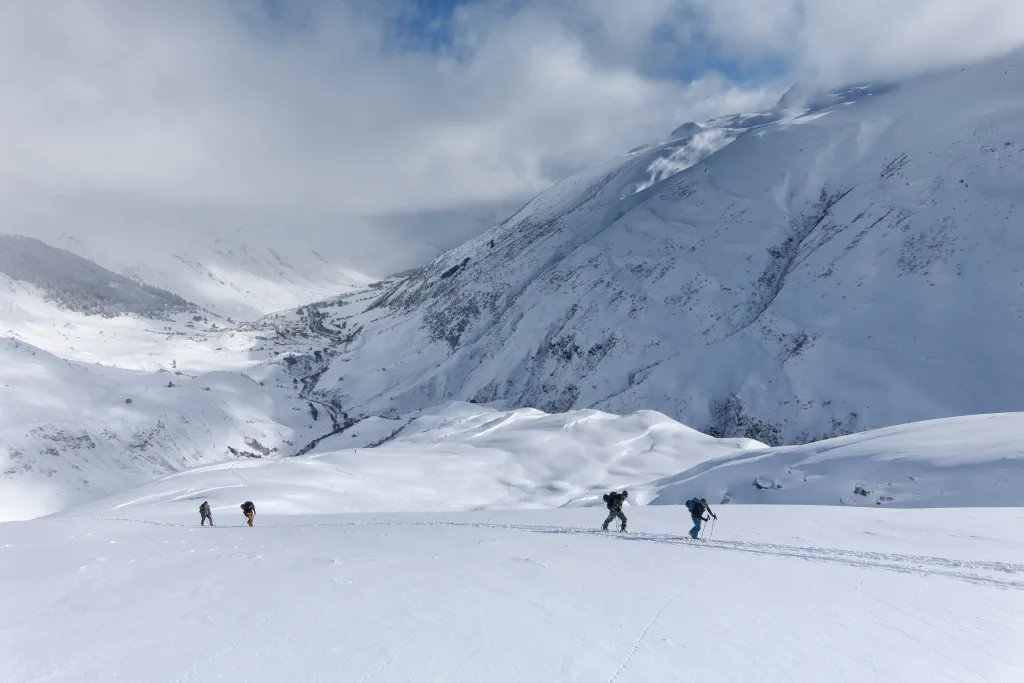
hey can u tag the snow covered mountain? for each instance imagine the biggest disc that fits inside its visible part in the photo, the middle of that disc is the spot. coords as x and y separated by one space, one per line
836 264
275 260
785 276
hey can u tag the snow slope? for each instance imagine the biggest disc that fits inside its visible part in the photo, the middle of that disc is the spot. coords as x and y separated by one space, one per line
456 457
795 275
973 461
779 595
460 588
464 457
251 262
72 432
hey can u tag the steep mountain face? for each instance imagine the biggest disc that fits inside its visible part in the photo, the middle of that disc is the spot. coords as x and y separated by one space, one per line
784 276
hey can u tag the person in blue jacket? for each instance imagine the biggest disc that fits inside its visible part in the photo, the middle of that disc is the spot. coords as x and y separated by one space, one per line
697 508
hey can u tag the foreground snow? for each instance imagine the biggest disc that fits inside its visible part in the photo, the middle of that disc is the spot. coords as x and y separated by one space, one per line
781 594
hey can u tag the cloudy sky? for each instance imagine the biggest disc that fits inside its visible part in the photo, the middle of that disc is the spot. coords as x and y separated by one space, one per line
432 114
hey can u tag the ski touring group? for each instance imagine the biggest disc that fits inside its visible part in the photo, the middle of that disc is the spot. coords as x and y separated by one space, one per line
697 507
205 515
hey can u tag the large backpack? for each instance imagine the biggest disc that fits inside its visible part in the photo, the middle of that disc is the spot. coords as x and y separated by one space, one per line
693 505
608 500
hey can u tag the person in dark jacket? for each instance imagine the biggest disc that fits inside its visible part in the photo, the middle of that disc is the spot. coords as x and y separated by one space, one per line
697 509
205 514
249 510
614 500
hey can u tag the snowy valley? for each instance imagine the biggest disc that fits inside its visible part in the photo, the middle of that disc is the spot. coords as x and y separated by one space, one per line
809 315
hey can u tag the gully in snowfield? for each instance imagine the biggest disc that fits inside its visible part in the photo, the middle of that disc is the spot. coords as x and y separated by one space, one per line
697 509
249 510
614 500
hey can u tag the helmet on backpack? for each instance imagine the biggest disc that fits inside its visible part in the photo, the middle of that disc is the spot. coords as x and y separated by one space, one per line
625 494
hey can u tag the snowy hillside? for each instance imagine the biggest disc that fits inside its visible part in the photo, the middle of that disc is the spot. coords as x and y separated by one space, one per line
76 284
230 273
975 461
785 276
277 258
72 432
463 457
458 457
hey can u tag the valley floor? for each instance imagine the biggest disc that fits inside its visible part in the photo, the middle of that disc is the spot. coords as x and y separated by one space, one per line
781 593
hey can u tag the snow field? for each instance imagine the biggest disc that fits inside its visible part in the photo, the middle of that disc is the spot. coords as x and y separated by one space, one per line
782 594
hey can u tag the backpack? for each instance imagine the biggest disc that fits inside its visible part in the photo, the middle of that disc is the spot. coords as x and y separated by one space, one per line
608 500
693 505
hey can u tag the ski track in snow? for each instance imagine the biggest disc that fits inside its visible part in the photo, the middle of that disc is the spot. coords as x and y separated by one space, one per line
969 571
236 473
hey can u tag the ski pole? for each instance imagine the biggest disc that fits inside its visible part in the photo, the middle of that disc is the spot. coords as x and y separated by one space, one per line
711 536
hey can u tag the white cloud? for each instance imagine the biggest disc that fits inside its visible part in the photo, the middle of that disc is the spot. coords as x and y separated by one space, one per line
833 42
202 103
229 113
